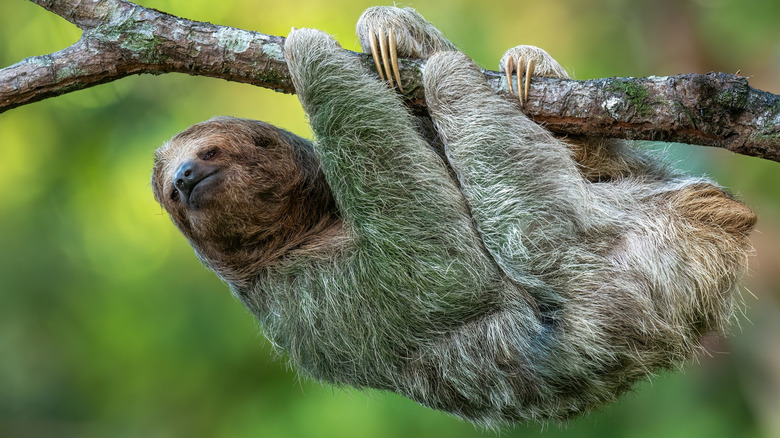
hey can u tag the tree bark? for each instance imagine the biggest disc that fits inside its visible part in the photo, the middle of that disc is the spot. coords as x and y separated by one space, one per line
121 38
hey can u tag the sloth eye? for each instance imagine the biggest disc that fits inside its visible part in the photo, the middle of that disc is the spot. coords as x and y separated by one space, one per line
262 142
175 194
210 154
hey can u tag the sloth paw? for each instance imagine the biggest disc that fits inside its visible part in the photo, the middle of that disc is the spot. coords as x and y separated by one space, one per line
388 33
528 61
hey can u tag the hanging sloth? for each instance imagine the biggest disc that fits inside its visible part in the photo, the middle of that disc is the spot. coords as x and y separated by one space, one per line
512 276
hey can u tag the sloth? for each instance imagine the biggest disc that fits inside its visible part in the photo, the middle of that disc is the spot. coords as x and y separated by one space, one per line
513 276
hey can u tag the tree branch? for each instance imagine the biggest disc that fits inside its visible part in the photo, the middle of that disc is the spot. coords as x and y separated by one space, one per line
121 38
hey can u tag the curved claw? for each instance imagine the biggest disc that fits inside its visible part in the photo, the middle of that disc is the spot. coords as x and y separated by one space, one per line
385 55
529 71
520 68
394 59
508 69
375 53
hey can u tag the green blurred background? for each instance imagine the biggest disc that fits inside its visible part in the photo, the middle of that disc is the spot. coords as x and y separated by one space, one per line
109 327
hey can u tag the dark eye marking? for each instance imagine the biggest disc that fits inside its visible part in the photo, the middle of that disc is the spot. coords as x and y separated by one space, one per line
175 194
262 141
209 154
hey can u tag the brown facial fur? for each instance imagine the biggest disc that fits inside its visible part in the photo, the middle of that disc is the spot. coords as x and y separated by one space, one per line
267 198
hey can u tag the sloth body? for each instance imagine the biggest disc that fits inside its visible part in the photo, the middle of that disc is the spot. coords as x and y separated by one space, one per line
516 278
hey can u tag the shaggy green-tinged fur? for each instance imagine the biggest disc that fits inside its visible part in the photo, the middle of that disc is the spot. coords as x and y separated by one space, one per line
411 271
427 313
542 281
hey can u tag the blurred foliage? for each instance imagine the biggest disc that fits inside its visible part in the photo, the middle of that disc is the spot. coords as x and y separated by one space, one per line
110 327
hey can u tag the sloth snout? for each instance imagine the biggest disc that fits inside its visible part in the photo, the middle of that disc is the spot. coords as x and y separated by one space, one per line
190 174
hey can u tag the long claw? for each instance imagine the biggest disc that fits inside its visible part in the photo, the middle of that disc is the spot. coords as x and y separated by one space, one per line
394 58
375 53
528 72
385 58
520 68
510 65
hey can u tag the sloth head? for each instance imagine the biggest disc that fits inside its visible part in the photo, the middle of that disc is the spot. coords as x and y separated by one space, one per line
242 192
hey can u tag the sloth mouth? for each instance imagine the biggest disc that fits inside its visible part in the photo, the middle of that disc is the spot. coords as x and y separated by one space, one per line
203 191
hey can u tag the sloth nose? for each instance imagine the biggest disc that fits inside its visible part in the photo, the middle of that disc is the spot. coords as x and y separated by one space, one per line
187 176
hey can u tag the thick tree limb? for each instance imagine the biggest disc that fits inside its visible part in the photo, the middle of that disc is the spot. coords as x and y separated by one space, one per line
121 39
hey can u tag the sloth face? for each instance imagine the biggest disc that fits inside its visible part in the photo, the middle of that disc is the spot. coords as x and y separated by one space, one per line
235 186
